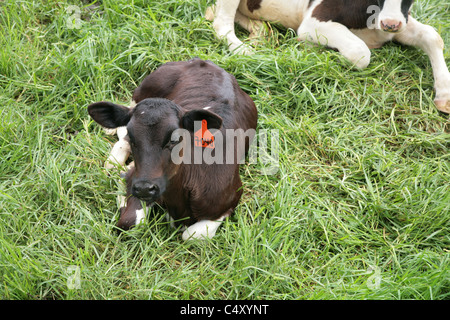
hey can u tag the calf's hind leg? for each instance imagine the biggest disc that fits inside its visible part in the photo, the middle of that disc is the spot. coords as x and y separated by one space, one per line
204 229
336 36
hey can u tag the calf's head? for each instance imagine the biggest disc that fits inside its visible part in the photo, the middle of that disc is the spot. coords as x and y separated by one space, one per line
152 133
393 16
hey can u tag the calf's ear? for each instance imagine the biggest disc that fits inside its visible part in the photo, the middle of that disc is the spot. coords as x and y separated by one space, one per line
109 115
212 119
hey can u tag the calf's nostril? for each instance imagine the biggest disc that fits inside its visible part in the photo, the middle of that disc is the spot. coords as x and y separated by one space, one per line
391 25
152 189
145 190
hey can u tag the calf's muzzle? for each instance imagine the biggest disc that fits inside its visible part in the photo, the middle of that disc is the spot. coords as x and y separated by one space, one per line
146 190
390 25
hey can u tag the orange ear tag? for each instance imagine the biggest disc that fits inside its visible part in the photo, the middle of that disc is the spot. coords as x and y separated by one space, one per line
203 138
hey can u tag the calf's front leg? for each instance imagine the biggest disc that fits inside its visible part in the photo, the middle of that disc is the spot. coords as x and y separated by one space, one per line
223 15
131 213
426 38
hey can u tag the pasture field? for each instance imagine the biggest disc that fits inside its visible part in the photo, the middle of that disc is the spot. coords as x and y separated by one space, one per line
358 207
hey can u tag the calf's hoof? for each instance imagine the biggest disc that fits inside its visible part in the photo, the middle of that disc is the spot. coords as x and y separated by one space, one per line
442 105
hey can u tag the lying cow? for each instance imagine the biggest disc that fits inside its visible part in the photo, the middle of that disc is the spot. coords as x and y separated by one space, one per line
350 26
177 96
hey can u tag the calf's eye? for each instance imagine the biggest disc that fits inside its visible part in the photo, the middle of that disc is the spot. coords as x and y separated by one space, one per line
174 139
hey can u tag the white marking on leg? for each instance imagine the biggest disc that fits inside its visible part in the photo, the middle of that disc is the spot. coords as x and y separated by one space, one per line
204 229
140 216
109 131
131 165
120 151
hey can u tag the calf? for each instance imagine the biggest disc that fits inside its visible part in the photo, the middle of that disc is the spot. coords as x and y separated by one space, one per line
350 26
176 96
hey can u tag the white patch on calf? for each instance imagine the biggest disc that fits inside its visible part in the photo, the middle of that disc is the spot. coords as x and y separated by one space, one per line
140 216
204 229
289 13
120 151
373 38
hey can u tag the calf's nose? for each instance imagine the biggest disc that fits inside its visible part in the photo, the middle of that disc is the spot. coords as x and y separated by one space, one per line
390 25
145 190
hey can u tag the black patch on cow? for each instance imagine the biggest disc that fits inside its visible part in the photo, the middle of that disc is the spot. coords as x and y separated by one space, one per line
351 13
406 6
253 5
381 4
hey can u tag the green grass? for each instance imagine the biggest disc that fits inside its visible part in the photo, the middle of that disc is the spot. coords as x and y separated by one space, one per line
359 208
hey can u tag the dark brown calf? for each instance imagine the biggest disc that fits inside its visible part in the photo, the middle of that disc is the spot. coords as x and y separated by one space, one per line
171 102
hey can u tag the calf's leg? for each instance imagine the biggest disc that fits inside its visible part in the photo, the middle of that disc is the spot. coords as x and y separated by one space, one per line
132 214
224 15
337 36
426 38
204 229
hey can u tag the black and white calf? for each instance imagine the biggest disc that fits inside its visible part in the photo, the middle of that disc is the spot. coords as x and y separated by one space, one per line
352 27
